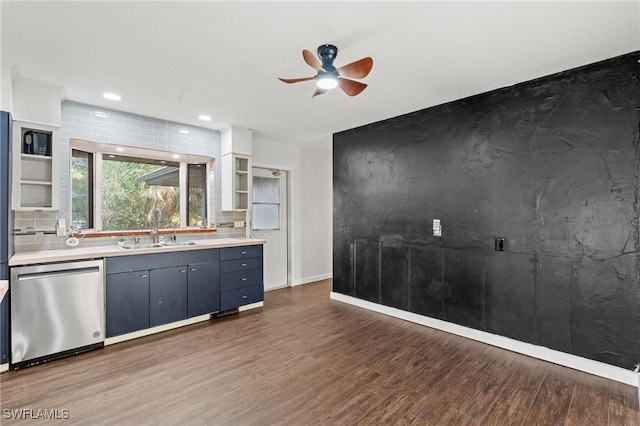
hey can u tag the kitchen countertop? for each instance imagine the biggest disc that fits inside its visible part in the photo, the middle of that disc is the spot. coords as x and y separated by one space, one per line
81 253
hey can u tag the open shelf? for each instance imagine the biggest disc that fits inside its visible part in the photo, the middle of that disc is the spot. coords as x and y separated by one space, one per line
37 186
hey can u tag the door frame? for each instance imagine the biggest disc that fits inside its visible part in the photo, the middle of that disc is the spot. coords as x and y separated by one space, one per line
290 220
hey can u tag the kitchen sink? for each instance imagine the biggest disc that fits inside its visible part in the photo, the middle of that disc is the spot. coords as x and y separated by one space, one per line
156 245
171 244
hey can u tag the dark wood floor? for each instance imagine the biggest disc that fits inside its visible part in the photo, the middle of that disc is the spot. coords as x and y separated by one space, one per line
304 359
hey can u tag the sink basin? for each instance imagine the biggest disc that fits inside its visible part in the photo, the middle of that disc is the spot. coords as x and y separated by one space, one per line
183 243
156 245
140 246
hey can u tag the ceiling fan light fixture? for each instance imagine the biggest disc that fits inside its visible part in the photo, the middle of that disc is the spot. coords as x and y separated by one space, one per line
327 82
329 77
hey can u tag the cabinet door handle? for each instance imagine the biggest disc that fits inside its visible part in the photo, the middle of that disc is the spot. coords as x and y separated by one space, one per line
184 270
193 269
243 279
144 276
244 296
243 265
243 252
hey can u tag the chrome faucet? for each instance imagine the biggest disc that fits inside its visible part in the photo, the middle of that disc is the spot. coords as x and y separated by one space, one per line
157 218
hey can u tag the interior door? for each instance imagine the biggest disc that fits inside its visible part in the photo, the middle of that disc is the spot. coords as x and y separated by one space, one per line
269 221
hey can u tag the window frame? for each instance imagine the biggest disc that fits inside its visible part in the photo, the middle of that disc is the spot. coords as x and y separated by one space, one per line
253 203
98 149
91 184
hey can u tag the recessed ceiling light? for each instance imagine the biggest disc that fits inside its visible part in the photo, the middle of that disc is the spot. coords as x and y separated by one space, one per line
120 149
183 131
176 156
111 96
204 117
100 114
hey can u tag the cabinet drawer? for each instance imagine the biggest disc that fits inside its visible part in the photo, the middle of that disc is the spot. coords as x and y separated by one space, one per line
240 279
242 296
240 264
229 253
136 262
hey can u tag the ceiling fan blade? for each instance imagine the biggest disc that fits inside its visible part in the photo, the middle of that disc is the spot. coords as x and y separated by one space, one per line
351 87
295 80
357 69
318 91
311 60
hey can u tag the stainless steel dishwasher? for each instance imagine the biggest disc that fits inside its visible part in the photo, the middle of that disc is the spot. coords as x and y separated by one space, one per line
56 309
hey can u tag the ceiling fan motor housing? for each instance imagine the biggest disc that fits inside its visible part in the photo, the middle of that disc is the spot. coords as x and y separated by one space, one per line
327 53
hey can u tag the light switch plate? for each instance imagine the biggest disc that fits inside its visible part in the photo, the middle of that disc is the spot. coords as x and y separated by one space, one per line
437 228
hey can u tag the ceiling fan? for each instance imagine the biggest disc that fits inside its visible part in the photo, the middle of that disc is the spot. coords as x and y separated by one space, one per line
329 76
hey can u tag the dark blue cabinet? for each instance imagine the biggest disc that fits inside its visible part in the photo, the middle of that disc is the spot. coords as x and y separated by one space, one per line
241 278
6 227
241 252
203 291
178 285
167 295
127 302
4 330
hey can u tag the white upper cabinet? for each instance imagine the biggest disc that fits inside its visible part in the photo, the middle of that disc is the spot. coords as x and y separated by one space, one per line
235 169
35 167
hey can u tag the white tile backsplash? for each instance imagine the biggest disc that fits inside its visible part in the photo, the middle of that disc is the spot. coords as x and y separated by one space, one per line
122 128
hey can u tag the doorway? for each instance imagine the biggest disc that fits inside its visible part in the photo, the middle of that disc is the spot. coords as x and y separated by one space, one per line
270 222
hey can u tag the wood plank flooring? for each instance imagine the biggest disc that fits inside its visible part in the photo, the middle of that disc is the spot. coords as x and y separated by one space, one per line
303 359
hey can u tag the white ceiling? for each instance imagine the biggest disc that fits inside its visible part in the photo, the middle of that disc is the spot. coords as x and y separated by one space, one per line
175 60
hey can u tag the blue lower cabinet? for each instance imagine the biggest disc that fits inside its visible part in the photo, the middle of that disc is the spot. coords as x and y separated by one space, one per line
234 280
177 286
241 252
242 296
241 276
127 304
4 330
203 290
167 295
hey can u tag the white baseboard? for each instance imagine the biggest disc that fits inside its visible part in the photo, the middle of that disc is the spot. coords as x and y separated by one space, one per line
251 306
149 331
572 361
280 287
4 367
313 279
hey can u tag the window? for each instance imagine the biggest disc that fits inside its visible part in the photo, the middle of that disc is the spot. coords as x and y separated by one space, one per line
130 184
197 205
82 189
266 203
133 188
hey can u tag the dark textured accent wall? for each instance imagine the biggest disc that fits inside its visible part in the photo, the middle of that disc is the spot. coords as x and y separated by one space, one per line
551 165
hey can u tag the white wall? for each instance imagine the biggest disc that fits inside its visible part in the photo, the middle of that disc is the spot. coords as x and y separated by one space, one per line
310 208
6 87
316 206
37 102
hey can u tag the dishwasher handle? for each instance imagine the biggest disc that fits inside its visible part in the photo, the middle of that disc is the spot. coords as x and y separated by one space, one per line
58 273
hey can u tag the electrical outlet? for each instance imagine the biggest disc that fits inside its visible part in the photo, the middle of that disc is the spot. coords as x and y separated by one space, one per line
61 229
